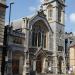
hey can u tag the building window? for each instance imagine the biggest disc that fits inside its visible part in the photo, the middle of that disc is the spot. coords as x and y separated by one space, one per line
50 11
17 40
59 13
39 35
39 39
34 39
44 40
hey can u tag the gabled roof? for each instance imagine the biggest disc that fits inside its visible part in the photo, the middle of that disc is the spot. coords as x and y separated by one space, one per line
43 52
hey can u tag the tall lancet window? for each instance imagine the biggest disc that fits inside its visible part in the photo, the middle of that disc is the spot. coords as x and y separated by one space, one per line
34 39
44 40
59 13
50 12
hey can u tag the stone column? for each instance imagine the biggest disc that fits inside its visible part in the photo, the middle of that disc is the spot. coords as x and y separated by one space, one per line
34 65
62 66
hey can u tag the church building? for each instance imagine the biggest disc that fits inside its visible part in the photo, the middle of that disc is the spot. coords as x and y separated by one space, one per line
43 51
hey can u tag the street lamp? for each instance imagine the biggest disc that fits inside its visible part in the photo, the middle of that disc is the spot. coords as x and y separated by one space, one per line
10 12
4 53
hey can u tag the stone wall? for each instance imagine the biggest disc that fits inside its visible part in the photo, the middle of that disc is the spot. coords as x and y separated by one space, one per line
2 16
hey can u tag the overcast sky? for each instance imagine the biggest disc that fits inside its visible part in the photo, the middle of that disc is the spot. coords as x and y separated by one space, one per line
22 8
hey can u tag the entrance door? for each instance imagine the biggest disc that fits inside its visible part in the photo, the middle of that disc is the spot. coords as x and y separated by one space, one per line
39 64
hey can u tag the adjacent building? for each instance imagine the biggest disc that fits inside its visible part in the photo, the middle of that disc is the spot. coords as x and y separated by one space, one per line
69 38
2 23
70 52
14 49
72 57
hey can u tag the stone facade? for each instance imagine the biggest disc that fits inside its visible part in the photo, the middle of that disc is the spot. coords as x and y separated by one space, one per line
44 43
2 23
55 11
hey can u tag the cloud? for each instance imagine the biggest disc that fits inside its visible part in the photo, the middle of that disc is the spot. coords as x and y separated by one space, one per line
72 17
32 9
41 1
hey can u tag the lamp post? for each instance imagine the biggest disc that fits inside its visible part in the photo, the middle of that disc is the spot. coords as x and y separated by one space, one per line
10 12
9 51
4 53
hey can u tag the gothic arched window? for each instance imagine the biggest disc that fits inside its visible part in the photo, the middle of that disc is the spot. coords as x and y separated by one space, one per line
59 13
39 36
50 12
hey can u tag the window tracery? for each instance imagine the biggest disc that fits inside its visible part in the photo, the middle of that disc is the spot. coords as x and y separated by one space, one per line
39 36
